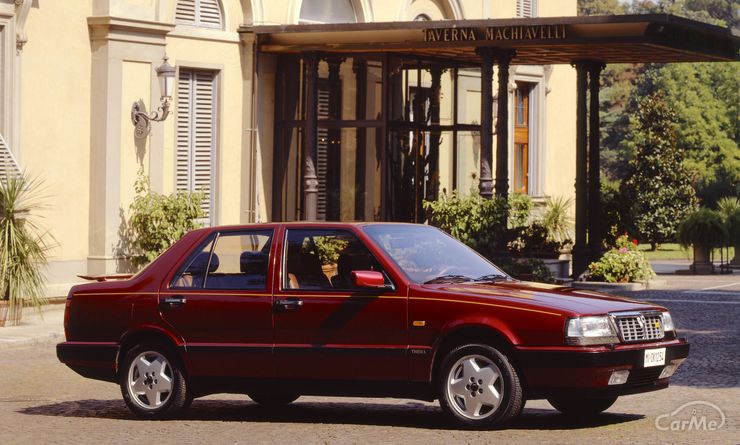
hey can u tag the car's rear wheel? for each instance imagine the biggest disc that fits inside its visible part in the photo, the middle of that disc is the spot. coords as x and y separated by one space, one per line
152 382
479 388
273 399
581 406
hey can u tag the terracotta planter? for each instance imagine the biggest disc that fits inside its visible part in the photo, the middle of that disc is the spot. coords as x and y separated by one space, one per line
3 312
701 265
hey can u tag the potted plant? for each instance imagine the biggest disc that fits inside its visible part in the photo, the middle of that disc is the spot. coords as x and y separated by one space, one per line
729 207
704 230
622 264
23 248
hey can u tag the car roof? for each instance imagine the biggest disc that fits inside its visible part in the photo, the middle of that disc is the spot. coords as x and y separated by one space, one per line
333 224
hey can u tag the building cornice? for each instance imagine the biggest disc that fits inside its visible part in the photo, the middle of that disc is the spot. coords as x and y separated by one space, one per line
128 30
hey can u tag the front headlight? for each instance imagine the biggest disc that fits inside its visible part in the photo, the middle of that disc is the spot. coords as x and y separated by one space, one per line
668 325
594 330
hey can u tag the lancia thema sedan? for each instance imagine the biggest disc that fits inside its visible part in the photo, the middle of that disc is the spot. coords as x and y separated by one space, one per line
281 310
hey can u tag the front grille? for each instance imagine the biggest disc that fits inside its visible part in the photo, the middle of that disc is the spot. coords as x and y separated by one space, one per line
640 326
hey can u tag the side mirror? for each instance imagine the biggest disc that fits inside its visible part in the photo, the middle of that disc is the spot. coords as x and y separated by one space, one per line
369 279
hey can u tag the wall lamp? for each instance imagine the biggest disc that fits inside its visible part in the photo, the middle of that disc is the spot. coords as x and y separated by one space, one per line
142 120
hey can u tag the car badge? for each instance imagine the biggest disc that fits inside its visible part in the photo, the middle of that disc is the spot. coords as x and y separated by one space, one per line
641 321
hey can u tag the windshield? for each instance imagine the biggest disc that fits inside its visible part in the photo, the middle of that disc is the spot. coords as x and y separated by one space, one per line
427 254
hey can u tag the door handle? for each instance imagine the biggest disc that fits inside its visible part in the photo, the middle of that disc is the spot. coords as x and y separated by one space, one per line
289 304
172 302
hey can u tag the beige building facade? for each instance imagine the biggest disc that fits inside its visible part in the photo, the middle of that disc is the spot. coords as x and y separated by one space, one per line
70 72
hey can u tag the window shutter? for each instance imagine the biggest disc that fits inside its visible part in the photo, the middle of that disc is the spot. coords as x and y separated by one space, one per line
196 129
210 14
185 12
8 165
322 149
525 8
201 13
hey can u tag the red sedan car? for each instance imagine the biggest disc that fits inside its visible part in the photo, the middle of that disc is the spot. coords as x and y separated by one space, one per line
281 310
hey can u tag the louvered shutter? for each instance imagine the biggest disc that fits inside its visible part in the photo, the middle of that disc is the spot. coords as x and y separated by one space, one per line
525 8
8 164
202 13
322 151
196 129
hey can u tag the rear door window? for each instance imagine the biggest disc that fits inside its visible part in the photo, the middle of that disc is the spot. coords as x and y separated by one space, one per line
232 261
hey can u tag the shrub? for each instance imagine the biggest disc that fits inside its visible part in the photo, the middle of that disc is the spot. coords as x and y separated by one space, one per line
157 221
23 246
533 241
622 264
530 269
471 219
520 209
703 227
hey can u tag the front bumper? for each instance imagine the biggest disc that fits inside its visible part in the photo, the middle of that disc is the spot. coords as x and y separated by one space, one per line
92 360
585 371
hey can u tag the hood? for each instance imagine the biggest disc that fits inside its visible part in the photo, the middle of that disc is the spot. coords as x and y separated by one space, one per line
561 298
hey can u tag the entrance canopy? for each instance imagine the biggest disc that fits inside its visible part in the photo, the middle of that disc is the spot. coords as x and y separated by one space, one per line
653 38
395 130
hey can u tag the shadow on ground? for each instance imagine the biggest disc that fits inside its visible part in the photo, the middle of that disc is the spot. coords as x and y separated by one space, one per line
411 414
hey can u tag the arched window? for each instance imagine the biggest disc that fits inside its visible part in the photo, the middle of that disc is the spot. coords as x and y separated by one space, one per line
200 13
327 11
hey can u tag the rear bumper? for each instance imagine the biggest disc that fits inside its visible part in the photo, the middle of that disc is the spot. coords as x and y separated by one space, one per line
585 372
93 360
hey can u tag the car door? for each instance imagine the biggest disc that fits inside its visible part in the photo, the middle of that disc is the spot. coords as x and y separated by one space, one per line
326 328
220 302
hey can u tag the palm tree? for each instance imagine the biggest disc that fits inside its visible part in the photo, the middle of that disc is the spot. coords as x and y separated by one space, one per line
23 247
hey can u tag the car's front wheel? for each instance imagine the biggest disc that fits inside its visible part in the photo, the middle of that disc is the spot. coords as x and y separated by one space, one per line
581 406
479 387
152 382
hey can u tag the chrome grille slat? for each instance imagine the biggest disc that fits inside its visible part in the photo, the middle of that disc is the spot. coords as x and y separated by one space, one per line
642 326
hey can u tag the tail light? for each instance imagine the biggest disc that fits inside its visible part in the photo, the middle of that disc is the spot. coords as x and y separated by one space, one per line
67 314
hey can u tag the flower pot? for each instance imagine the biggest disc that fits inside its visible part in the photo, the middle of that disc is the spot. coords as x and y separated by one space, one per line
701 265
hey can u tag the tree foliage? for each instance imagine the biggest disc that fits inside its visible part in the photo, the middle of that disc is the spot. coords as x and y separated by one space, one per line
705 97
657 185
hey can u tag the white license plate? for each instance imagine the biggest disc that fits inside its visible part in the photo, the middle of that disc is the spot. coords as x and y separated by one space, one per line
654 357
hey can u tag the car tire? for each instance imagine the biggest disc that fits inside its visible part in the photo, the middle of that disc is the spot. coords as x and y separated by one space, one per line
274 399
479 387
581 406
152 382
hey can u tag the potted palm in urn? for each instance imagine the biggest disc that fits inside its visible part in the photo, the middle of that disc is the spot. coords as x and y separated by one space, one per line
729 207
704 230
23 248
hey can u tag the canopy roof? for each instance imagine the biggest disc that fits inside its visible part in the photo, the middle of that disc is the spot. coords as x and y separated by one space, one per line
649 38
